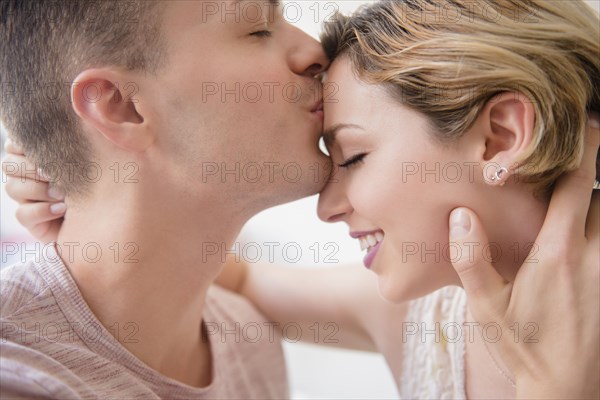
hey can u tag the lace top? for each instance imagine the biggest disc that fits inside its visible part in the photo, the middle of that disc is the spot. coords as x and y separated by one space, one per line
434 346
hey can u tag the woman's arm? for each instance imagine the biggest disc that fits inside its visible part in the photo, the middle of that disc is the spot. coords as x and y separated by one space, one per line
338 307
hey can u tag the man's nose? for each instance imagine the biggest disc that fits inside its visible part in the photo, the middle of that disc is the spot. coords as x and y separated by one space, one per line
306 55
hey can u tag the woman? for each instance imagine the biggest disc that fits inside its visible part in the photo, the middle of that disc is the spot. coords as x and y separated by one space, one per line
442 104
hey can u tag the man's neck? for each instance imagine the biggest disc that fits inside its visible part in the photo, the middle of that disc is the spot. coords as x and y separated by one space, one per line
148 261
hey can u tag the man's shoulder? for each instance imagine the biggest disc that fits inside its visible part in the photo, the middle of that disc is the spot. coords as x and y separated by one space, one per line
236 321
28 373
20 284
225 304
247 343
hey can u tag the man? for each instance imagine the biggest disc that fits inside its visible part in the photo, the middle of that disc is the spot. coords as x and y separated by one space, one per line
155 105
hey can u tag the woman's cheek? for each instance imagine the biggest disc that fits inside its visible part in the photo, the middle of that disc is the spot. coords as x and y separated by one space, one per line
370 194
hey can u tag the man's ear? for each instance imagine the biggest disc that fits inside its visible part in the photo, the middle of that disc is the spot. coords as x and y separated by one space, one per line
507 122
103 99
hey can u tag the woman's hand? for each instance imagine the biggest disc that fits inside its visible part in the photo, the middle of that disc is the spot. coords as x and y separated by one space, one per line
558 290
41 209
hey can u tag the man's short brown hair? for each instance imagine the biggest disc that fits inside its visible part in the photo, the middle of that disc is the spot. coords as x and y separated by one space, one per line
44 45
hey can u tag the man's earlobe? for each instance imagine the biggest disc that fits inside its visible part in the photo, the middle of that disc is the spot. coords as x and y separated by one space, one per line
508 123
103 104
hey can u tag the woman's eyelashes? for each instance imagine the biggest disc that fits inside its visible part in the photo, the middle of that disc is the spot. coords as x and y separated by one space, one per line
262 33
353 161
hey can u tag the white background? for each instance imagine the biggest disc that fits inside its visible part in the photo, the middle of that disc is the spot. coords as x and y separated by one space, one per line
315 372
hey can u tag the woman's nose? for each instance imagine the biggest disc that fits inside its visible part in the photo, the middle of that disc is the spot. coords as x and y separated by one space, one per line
334 205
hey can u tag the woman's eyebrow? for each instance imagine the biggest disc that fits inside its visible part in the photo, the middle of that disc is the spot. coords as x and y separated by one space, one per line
330 133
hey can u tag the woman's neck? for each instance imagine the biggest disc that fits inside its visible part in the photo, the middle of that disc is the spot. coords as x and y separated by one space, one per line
512 219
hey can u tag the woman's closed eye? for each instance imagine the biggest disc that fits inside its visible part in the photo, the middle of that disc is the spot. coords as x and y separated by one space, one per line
353 161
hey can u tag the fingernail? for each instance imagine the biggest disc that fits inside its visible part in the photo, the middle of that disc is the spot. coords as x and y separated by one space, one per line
42 175
595 121
55 193
58 208
460 223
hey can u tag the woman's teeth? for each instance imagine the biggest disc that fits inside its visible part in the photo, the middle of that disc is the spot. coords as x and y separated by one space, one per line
370 240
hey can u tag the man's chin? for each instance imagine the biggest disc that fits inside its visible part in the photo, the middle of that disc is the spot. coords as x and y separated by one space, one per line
300 190
288 193
289 181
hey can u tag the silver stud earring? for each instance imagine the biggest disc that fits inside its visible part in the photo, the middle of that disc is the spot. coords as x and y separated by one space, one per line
498 175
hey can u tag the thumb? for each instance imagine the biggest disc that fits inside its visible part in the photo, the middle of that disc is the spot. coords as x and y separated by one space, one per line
468 242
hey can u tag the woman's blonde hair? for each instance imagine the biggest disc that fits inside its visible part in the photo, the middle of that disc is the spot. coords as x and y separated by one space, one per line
447 58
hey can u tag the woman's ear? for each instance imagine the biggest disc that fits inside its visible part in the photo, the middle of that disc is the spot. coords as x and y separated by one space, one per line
507 122
103 99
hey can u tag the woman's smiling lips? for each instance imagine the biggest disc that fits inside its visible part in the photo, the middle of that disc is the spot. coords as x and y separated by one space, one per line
371 241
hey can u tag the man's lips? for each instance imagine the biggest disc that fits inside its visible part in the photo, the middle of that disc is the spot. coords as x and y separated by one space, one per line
318 106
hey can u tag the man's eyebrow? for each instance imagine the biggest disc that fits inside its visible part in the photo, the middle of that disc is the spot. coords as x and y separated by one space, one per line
329 134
